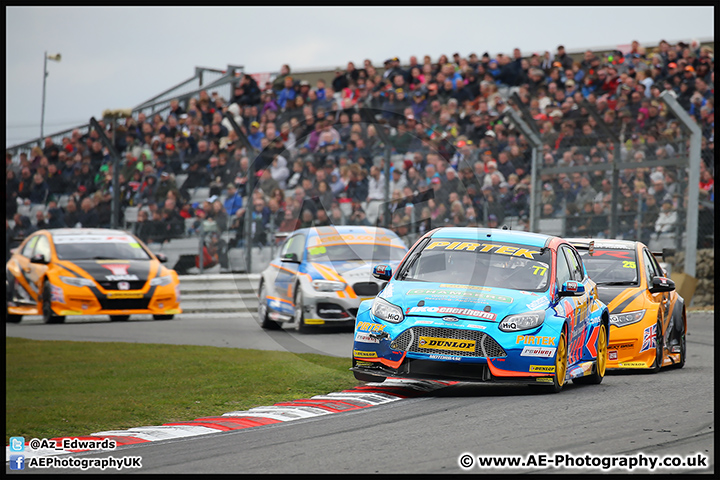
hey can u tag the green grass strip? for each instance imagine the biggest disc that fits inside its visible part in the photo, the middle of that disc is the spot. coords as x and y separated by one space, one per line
56 388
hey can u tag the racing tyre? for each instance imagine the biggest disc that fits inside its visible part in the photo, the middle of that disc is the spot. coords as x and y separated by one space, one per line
659 344
601 362
683 352
265 322
119 318
47 312
561 363
163 317
299 312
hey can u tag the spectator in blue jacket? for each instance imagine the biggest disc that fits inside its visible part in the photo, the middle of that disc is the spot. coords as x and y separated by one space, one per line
233 202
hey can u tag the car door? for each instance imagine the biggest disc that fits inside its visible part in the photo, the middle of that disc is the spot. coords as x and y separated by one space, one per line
37 270
661 298
288 271
578 304
25 280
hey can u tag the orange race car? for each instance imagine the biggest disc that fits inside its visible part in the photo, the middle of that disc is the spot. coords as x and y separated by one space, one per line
648 323
80 271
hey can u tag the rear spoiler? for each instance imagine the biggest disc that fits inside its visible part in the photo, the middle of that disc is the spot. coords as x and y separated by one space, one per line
590 246
666 252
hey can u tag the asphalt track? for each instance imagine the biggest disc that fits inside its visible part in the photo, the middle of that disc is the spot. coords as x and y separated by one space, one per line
670 413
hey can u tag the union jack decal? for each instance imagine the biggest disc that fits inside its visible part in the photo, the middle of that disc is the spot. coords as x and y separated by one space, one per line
649 335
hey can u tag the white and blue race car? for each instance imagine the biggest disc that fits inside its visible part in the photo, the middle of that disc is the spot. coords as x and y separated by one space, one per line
323 273
477 304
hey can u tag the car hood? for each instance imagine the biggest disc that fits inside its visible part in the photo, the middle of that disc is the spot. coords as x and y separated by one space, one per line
466 302
351 271
620 296
113 270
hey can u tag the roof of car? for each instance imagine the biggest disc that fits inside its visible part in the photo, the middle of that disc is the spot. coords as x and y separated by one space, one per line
495 234
343 229
86 231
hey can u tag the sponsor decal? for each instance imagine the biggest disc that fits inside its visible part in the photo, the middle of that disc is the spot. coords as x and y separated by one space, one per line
458 294
571 286
612 355
467 287
614 246
633 365
542 368
58 239
473 325
362 354
454 311
538 303
544 352
123 286
365 338
116 295
351 237
360 363
453 358
119 272
649 335
427 322
370 327
544 379
622 346
534 340
446 344
484 248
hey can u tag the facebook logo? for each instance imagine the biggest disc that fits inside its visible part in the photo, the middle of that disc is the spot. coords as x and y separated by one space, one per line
17 462
17 444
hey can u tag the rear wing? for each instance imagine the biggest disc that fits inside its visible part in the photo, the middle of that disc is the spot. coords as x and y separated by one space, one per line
666 252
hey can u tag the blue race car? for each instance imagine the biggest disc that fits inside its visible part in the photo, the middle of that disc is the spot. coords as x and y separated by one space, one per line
477 304
322 275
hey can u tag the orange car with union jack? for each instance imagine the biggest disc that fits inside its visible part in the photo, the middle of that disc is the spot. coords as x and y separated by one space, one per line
648 322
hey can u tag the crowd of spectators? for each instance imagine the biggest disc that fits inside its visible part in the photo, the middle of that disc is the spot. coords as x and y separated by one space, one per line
455 160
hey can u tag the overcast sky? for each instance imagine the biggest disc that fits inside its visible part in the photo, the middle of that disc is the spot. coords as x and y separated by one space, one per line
118 57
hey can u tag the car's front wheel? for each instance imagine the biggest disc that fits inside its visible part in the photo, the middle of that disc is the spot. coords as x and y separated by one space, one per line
561 363
659 344
300 311
600 362
47 312
265 322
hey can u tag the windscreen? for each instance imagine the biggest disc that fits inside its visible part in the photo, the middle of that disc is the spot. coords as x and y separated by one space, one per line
370 253
99 248
611 267
491 264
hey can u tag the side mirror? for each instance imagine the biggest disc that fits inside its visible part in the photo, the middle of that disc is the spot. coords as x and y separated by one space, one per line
661 284
382 272
161 257
572 289
39 259
290 258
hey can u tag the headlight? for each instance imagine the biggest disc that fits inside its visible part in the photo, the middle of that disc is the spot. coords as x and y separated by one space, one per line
160 281
77 281
385 310
327 286
622 319
522 321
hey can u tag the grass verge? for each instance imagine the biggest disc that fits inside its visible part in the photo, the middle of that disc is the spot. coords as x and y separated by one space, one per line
56 388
